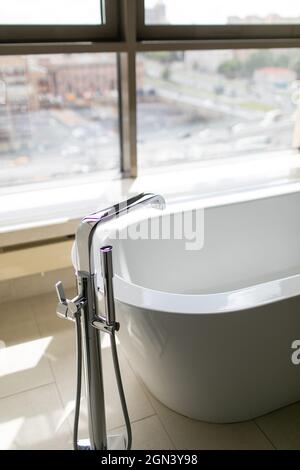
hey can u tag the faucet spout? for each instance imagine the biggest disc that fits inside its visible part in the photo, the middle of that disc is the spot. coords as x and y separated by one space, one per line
89 223
155 200
135 202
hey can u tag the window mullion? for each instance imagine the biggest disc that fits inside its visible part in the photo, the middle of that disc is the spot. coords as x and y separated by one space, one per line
127 90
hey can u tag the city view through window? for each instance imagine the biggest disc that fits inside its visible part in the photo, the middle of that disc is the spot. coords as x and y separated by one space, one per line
58 117
59 113
220 12
205 105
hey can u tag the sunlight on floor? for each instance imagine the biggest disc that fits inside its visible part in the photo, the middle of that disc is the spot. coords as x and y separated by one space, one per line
22 356
9 431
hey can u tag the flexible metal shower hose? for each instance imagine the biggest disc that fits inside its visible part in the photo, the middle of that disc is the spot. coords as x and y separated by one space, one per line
120 388
79 380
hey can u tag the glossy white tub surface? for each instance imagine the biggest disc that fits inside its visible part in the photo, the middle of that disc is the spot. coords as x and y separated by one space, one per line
210 331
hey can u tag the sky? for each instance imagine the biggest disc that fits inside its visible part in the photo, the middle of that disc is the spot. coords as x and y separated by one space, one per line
217 11
178 11
49 11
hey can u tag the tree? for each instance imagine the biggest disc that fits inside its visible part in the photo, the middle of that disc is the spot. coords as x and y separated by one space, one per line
231 68
258 60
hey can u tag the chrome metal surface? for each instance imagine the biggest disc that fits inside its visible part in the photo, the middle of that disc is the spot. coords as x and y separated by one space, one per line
92 321
92 365
114 442
67 308
108 274
90 222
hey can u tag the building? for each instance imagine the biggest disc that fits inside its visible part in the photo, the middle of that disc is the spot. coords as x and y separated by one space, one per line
269 19
279 77
52 81
14 116
156 14
78 75
71 77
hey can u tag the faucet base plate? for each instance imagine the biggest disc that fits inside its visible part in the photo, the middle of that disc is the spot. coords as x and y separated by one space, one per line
114 442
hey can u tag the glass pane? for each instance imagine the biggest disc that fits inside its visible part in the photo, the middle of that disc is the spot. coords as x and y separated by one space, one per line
221 12
47 12
196 106
58 117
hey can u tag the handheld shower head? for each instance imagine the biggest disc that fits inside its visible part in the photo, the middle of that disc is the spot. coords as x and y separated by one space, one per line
108 274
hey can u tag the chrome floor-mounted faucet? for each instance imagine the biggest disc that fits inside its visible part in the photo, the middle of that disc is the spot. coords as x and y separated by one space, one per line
83 309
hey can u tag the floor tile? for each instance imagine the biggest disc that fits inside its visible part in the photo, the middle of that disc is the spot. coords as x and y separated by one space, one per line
186 433
5 291
23 364
12 313
61 354
32 420
282 427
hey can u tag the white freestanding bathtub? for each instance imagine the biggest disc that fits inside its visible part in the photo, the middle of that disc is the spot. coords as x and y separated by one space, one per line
210 331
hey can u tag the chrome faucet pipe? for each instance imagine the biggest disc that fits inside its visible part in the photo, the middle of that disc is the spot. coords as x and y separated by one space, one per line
86 289
84 309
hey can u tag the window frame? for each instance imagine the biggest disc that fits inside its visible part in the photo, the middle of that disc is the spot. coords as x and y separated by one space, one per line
67 33
151 32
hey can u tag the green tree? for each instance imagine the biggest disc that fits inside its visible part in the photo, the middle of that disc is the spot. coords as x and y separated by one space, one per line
231 68
258 60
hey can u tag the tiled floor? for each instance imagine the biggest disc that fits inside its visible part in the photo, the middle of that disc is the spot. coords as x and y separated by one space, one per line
37 380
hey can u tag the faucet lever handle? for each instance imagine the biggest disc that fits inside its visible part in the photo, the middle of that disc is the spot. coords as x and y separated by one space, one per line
60 291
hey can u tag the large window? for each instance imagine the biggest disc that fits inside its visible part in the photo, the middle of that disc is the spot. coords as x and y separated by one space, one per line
113 87
198 106
58 117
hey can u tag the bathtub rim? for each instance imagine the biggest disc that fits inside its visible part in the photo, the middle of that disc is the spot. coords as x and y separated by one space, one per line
246 298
